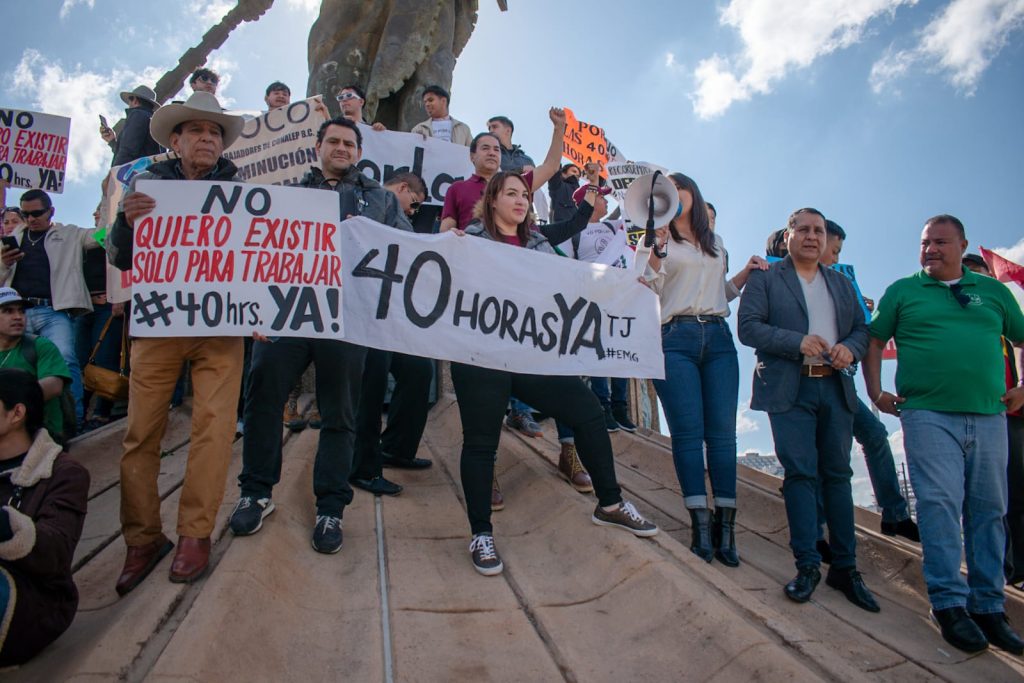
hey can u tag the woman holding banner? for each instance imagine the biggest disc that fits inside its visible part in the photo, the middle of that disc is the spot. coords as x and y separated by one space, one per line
482 393
701 385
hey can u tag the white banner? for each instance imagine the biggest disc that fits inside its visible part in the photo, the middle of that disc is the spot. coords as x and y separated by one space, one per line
222 258
439 163
33 149
279 146
471 300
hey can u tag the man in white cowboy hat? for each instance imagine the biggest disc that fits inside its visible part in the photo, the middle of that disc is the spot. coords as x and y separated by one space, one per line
197 131
134 141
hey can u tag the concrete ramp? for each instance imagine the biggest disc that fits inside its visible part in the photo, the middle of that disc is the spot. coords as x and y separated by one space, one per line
576 602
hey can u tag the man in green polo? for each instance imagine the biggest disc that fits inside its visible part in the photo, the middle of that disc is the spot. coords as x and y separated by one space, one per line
951 399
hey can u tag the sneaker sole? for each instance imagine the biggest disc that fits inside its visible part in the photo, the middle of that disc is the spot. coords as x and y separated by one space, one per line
497 508
325 552
581 489
490 571
270 508
642 533
627 429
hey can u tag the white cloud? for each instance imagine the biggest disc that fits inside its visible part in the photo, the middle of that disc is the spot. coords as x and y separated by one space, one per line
307 6
67 5
210 12
779 36
744 422
960 41
83 96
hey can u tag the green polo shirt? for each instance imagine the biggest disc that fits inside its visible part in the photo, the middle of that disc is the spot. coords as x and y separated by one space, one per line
949 357
49 364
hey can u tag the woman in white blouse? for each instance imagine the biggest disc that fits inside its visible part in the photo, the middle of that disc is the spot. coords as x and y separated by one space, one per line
701 387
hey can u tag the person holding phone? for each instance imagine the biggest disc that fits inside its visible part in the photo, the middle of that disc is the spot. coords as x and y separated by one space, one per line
134 141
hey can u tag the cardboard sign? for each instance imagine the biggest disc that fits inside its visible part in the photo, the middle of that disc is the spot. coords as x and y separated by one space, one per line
439 163
33 149
461 299
279 146
585 142
222 258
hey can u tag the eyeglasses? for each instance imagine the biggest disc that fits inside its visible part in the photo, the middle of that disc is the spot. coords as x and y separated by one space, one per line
35 214
959 295
346 96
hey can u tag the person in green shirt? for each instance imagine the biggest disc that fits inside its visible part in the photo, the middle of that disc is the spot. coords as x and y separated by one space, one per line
951 399
49 366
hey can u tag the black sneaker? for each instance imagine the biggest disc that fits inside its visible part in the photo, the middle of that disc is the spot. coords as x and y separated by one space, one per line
247 517
624 517
622 417
609 420
327 534
485 556
378 486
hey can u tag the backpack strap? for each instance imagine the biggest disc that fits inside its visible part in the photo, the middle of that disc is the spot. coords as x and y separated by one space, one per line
28 351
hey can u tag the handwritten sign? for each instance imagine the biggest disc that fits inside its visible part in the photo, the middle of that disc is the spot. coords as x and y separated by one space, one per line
584 143
33 149
222 258
462 299
439 163
279 146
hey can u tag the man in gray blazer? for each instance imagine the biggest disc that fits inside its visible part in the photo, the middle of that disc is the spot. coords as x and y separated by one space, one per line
808 329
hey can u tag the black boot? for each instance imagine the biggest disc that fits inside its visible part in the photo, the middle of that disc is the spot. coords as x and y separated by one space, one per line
700 523
723 535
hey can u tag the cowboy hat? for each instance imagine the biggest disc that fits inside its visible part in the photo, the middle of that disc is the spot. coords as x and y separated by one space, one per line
142 92
201 106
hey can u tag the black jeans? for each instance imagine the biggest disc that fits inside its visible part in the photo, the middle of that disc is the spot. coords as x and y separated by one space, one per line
407 414
275 369
483 393
1014 564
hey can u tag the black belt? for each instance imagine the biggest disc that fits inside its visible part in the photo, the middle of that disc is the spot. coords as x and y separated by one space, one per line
697 319
39 302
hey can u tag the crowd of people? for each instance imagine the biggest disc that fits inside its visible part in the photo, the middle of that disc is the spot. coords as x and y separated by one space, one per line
804 320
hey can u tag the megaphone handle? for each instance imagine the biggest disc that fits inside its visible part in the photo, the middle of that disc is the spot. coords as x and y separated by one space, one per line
649 237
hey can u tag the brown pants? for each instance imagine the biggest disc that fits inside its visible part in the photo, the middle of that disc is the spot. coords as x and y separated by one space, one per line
216 378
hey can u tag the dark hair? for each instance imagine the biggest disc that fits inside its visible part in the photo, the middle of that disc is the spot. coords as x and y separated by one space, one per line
776 245
503 120
32 195
277 85
143 104
210 74
411 179
699 220
977 260
566 167
484 209
834 229
11 209
357 90
344 123
437 90
941 218
791 223
19 386
472 145
711 207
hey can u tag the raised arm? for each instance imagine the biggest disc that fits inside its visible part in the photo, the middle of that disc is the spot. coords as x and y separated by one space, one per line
552 162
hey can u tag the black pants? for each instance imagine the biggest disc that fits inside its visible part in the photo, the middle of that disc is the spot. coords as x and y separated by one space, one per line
275 369
407 414
1014 563
482 396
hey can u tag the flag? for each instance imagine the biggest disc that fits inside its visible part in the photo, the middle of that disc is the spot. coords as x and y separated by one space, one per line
1002 268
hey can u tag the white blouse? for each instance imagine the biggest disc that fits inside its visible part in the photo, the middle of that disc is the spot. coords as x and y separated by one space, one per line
690 282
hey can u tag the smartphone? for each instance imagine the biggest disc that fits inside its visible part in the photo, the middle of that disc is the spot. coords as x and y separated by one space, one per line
10 242
103 121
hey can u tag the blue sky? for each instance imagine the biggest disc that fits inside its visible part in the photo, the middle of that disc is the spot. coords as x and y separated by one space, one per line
878 112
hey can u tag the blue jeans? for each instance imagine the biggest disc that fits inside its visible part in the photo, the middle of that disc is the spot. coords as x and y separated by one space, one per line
812 441
699 394
619 394
58 327
957 465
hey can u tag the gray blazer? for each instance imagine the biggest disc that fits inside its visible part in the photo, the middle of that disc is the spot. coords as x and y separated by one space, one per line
773 320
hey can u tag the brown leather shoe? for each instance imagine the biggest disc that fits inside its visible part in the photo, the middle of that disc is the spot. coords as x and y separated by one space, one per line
572 469
140 561
191 559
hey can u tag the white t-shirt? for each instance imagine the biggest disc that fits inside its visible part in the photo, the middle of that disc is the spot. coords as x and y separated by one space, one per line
441 129
601 242
821 313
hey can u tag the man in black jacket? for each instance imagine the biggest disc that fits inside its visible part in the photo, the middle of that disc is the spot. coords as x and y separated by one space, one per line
134 141
560 189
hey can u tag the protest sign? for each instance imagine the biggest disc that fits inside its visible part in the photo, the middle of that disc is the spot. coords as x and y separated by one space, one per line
439 163
585 142
279 146
223 258
33 149
462 299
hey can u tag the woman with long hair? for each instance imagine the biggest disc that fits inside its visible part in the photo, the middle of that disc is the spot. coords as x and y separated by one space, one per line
701 387
482 393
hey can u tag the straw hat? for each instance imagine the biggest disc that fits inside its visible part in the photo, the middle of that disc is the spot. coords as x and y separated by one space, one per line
201 106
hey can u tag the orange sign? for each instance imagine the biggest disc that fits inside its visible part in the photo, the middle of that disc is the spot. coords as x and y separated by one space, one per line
584 142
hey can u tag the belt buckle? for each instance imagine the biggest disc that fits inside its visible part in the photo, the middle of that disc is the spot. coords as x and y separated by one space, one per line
701 319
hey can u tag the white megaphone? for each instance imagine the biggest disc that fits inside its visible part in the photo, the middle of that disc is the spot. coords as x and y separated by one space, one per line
651 201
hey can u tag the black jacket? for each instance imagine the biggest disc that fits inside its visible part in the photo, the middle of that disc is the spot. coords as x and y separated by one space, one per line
560 193
134 141
360 195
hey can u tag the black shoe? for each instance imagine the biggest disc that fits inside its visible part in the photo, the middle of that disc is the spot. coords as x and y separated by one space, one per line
723 536
327 534
700 526
622 417
996 628
802 587
959 630
378 486
247 517
407 463
906 528
825 550
610 422
485 557
851 584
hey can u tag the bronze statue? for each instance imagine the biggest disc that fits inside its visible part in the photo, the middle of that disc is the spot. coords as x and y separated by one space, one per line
392 50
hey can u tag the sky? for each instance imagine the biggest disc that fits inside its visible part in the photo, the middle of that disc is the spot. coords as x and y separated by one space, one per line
880 113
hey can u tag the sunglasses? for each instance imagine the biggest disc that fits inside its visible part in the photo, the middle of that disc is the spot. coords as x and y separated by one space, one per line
35 214
346 96
958 294
207 79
